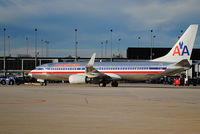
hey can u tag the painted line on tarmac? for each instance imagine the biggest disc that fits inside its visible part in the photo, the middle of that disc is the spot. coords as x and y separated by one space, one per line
172 106
24 102
86 100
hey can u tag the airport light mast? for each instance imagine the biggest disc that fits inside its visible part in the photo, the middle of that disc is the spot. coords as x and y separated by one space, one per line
119 47
154 40
9 46
76 45
4 52
47 51
36 47
106 48
42 43
111 45
139 41
101 49
27 45
151 45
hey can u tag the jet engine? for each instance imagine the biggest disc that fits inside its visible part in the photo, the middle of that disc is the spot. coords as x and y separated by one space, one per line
77 78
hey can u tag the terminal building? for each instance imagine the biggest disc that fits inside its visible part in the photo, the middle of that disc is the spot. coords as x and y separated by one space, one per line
23 65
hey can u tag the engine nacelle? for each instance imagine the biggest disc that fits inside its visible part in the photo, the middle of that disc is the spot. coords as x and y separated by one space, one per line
77 78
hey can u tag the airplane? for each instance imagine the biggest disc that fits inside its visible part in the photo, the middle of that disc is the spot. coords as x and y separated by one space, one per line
103 73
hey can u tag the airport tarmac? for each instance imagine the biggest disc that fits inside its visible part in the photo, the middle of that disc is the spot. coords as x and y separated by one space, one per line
89 109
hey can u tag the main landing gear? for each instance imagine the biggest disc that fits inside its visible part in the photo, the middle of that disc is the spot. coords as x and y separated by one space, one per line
102 84
113 84
43 83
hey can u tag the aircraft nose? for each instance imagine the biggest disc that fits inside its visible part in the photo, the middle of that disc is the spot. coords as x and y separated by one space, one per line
30 73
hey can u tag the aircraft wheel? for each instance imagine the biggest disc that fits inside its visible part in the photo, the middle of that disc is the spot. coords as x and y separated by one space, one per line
102 84
114 84
43 83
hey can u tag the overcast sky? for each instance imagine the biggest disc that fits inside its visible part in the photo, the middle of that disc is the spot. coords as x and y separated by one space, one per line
129 19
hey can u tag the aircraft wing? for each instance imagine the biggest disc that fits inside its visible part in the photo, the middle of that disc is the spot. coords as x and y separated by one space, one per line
92 72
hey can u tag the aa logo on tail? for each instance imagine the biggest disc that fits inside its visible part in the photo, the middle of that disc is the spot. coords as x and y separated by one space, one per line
181 50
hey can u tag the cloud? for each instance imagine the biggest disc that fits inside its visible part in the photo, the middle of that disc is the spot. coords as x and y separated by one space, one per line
154 13
159 12
57 19
18 9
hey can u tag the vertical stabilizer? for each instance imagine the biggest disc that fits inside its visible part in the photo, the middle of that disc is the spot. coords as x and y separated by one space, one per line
183 47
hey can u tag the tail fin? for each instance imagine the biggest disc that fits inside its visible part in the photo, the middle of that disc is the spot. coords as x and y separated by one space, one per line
183 47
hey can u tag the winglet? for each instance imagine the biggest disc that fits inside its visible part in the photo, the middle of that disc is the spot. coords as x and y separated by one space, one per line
91 62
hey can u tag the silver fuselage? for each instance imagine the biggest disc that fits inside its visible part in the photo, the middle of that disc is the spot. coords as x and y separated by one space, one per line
137 70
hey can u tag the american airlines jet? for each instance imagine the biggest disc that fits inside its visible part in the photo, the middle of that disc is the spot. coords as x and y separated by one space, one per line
102 73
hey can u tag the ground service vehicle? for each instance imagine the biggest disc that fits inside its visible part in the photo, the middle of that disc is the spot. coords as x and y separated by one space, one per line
7 80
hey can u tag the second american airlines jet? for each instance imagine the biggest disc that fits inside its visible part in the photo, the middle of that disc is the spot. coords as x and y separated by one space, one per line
103 73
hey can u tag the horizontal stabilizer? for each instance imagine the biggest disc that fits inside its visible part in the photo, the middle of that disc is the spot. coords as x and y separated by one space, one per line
183 63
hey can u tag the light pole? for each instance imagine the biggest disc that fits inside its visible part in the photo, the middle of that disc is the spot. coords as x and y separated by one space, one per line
47 51
181 34
27 45
119 47
76 45
42 43
9 46
154 40
106 48
35 47
111 45
139 41
101 49
151 45
4 52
